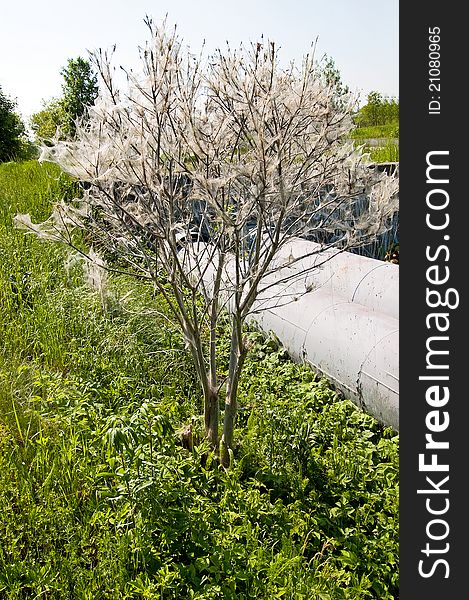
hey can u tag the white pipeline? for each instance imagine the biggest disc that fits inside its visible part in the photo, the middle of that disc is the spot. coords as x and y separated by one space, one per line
340 314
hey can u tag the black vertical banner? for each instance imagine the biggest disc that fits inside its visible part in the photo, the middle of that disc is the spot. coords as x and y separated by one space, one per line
434 315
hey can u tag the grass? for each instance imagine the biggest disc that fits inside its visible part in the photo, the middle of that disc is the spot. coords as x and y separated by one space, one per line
387 150
389 130
98 497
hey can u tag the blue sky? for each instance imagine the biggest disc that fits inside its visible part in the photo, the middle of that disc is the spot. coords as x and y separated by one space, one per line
37 38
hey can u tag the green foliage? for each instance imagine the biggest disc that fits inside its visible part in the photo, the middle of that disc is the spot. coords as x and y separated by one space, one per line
79 90
378 111
12 130
332 77
389 152
52 116
378 120
100 500
390 130
386 151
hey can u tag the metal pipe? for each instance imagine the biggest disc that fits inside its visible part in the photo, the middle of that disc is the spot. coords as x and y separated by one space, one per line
338 312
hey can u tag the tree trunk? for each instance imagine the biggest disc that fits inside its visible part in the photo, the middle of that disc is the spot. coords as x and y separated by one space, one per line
237 355
228 428
210 392
211 411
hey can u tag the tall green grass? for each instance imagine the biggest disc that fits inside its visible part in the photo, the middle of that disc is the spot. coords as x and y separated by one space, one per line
387 150
99 498
389 130
387 153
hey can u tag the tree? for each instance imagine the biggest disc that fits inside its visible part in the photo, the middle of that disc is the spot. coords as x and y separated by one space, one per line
60 115
80 90
332 77
12 130
378 111
47 121
200 176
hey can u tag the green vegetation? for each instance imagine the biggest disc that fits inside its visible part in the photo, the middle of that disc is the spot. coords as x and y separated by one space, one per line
378 111
385 153
108 491
379 120
45 122
388 152
14 143
390 130
332 77
80 89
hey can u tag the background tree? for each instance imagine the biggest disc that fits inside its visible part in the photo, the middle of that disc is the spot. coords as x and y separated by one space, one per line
45 123
80 89
12 130
378 111
199 178
332 77
60 115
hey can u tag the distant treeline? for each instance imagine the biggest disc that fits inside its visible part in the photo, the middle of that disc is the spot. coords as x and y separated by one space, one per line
378 110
